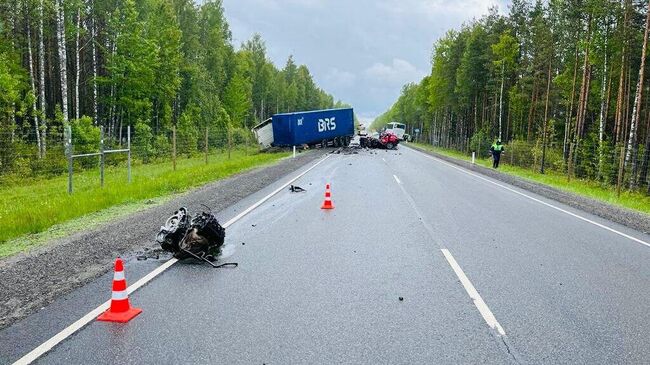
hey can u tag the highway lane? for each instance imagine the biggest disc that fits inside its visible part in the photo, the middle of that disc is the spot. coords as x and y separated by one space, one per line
313 286
322 286
566 290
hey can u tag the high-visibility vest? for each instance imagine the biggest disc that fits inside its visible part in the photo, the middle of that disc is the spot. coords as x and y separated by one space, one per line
497 147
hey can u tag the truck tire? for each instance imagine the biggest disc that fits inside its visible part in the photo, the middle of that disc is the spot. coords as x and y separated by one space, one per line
323 143
337 142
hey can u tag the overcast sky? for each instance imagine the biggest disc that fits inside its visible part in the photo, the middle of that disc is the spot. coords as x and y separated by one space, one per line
361 51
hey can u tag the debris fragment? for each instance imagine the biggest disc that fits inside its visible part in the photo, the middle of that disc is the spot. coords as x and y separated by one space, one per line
200 237
205 236
296 189
174 230
401 299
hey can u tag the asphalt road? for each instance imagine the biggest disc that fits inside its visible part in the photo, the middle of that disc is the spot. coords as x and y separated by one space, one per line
486 275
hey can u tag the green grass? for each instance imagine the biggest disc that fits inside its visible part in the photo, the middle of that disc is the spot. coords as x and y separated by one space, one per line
34 211
628 199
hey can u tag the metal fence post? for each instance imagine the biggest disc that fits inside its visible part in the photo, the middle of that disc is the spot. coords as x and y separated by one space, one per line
68 152
128 159
246 144
101 157
174 146
621 171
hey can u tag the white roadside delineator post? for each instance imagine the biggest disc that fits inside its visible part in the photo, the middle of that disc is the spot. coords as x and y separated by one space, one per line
473 157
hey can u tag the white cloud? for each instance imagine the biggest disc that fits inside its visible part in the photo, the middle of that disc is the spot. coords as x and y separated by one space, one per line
342 79
361 51
308 3
365 118
396 74
283 5
439 9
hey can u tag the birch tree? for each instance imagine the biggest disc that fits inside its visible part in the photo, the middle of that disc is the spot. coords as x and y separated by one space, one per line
77 68
506 52
632 140
63 59
41 84
93 45
37 131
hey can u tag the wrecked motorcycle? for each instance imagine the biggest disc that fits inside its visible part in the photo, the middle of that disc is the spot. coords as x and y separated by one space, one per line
200 237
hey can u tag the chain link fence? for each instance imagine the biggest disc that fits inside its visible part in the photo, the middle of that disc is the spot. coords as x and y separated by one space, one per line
610 166
21 158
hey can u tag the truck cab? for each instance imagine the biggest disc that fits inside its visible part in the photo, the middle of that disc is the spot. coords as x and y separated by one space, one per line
397 129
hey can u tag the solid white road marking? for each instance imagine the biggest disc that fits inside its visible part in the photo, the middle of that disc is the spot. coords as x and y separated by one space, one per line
476 297
537 200
83 321
397 179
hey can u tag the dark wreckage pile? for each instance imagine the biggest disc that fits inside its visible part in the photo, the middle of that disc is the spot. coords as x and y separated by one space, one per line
200 237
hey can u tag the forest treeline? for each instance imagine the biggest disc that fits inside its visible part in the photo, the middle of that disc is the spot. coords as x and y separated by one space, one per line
147 64
562 82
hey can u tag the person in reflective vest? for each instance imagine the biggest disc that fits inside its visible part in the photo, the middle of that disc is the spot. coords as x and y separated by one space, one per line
496 150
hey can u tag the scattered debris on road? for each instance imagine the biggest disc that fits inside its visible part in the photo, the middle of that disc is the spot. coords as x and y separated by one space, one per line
296 189
200 237
385 140
174 230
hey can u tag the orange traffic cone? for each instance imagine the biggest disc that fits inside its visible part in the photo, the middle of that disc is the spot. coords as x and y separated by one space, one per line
327 204
120 310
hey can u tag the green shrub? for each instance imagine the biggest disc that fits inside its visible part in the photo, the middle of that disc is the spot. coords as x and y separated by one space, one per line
85 136
142 142
520 153
480 143
162 146
240 136
186 134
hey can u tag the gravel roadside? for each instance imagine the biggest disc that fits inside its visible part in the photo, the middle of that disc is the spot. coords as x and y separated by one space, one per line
29 281
626 217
